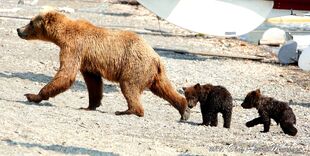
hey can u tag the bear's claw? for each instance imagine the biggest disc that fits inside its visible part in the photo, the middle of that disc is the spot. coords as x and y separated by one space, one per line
185 116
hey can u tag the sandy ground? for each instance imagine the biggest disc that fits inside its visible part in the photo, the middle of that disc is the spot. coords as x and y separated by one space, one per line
57 127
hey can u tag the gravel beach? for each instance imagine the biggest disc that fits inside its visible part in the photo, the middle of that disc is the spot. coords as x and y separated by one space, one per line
58 127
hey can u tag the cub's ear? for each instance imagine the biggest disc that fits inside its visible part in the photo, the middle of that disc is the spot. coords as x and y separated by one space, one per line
184 88
197 86
257 92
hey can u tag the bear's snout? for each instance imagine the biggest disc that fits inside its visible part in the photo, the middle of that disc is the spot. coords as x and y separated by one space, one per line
20 33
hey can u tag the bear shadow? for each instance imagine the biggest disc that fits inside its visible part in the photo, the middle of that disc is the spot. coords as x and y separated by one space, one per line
41 78
46 104
71 150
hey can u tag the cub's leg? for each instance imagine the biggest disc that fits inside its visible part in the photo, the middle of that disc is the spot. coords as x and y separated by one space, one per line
266 122
95 89
206 118
254 122
132 95
214 119
288 128
227 118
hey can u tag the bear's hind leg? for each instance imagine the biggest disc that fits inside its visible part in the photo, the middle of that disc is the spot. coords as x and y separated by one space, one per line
132 95
95 89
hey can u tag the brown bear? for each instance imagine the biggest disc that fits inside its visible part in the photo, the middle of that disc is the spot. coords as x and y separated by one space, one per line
213 100
270 108
116 55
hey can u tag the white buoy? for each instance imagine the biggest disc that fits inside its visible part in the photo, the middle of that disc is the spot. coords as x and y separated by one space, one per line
212 17
304 59
273 36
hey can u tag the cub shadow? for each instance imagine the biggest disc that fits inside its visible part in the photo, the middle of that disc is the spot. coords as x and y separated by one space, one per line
41 78
72 150
190 123
307 105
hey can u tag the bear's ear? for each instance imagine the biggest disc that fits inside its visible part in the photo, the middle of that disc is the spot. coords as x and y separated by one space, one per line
51 17
197 86
184 88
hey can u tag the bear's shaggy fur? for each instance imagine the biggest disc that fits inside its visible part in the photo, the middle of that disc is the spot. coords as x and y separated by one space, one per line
270 108
116 55
213 100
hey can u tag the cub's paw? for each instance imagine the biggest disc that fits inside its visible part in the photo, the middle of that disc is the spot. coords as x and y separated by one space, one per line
249 124
33 98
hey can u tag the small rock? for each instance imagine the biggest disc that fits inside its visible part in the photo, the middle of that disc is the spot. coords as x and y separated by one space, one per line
290 80
66 9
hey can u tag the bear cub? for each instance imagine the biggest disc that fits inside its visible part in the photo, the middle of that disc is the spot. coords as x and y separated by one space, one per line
213 100
270 108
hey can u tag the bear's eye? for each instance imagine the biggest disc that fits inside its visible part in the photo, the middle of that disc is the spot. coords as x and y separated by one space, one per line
31 23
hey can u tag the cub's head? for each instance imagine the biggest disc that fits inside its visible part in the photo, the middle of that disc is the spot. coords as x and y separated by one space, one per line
192 94
41 26
251 99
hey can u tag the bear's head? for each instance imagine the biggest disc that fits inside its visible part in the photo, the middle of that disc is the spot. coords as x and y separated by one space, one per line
251 100
39 27
192 94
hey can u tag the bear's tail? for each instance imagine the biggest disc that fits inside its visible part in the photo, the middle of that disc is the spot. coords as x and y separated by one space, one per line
163 88
288 128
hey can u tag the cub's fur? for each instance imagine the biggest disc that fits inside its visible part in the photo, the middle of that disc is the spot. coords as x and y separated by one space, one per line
270 108
213 100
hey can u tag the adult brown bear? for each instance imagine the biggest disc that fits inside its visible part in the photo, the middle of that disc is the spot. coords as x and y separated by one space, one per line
119 56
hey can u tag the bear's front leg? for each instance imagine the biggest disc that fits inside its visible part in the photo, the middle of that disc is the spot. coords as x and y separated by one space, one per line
63 79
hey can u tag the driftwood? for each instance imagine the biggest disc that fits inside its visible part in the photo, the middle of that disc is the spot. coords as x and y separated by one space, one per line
254 58
15 17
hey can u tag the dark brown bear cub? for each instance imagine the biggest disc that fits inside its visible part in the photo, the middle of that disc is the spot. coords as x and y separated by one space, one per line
213 100
270 108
